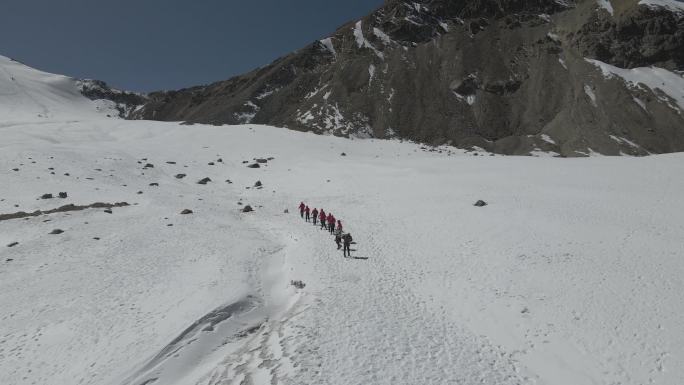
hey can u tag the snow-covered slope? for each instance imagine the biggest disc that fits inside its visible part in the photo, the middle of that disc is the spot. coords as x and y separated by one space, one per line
30 95
571 275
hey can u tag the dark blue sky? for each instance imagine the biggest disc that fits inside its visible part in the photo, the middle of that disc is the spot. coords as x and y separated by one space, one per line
146 45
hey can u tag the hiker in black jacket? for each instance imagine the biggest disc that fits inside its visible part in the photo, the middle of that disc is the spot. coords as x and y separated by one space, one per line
347 240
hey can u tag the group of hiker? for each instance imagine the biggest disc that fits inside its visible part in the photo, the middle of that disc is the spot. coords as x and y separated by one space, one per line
329 223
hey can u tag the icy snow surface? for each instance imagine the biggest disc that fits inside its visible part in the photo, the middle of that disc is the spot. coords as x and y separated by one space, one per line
571 275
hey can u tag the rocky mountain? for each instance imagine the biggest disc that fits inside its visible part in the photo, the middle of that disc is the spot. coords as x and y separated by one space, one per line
123 101
508 76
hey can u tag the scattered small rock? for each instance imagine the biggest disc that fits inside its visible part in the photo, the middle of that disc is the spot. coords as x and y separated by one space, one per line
229 181
169 225
148 165
13 244
286 211
139 192
180 176
15 169
261 160
63 195
258 184
271 158
96 238
66 174
170 162
219 160
204 181
480 203
211 164
186 212
9 260
247 209
298 284
108 211
255 165
46 196
245 161
56 231
154 184
343 154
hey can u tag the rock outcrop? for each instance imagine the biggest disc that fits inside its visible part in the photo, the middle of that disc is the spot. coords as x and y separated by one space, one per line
506 76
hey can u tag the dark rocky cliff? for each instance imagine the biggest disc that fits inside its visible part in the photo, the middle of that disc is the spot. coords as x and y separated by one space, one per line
508 76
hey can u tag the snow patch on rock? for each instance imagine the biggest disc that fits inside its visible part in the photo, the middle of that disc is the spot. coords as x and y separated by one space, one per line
361 41
590 93
328 45
666 85
672 5
605 4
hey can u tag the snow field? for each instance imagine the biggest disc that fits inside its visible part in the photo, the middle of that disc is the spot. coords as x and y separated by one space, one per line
571 274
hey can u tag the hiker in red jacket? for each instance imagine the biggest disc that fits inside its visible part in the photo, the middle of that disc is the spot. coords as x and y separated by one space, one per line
302 206
307 213
331 223
322 217
315 215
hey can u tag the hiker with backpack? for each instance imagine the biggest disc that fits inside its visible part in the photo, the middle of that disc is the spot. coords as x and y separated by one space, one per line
322 217
338 238
307 214
315 215
347 241
331 223
302 206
